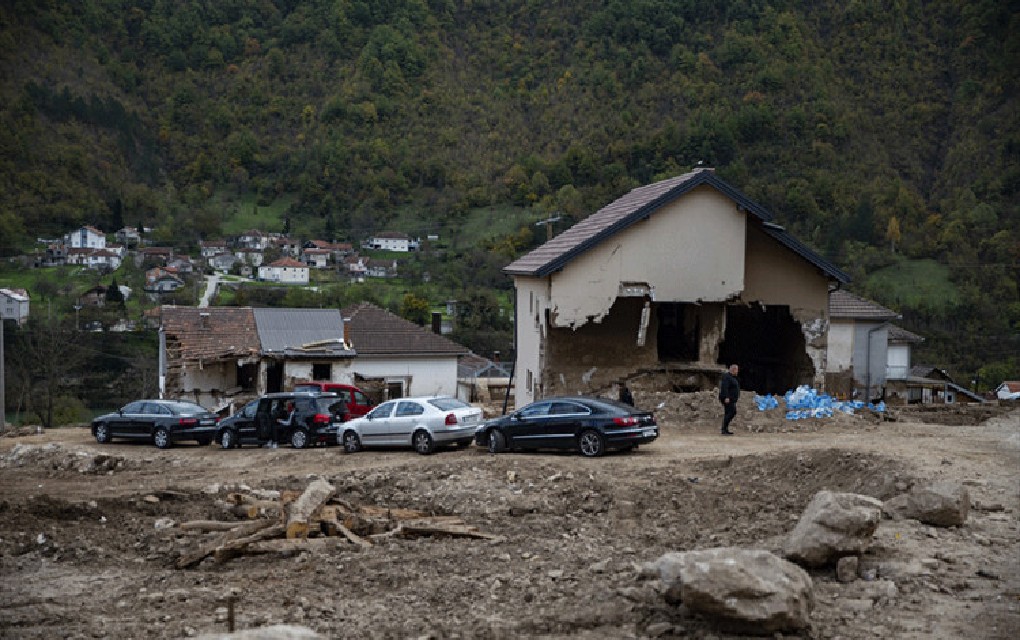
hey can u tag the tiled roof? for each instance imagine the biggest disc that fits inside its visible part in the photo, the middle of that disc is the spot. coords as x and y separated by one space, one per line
288 262
638 205
899 334
210 333
375 331
393 235
843 304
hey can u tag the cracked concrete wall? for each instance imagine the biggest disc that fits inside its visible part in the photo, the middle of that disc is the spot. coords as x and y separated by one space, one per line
595 355
689 250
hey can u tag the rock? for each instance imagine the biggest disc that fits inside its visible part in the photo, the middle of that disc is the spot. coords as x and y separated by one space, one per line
846 568
658 629
165 523
274 632
748 591
943 504
833 525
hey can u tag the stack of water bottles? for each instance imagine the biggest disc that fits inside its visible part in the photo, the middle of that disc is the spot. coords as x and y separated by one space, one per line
805 402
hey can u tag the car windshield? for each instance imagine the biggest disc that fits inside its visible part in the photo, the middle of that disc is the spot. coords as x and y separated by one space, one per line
447 404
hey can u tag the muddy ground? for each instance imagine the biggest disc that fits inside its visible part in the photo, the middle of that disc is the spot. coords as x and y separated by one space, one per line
87 542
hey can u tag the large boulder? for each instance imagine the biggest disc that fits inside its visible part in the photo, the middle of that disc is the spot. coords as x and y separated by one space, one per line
833 525
943 504
742 590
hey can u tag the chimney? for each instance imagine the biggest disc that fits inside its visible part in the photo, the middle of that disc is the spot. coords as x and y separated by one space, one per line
204 320
437 323
347 332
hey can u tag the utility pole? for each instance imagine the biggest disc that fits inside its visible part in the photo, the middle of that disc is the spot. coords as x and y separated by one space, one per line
548 222
3 400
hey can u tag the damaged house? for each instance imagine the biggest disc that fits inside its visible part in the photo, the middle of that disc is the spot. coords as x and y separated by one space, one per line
683 276
212 355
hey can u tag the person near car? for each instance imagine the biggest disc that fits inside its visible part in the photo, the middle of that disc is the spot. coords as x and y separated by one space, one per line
626 397
729 392
286 420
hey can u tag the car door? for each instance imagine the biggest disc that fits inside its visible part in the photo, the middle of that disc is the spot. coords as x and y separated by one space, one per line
407 416
526 426
563 423
374 427
124 425
244 423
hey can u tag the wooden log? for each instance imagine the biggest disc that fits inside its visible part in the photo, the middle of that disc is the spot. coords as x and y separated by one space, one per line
422 528
353 537
237 547
301 512
209 525
242 531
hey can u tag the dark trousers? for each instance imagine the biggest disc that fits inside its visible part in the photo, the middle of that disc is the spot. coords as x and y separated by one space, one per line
729 412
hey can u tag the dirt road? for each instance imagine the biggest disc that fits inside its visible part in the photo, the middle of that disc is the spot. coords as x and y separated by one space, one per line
88 545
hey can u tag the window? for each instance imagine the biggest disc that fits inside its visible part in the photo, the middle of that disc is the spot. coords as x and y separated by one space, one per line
383 411
536 410
405 409
567 408
360 398
448 404
529 385
322 371
133 407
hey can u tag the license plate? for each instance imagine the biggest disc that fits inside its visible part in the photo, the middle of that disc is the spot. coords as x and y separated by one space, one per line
648 432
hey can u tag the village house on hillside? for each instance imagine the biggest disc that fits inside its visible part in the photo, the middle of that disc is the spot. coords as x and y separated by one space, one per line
14 305
390 241
285 271
685 275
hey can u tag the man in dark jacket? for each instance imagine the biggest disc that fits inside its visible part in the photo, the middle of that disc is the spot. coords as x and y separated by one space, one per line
729 392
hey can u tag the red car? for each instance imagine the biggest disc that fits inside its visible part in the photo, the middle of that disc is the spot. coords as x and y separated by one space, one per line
357 401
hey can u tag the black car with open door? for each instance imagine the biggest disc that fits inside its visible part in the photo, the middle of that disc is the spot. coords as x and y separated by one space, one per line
301 418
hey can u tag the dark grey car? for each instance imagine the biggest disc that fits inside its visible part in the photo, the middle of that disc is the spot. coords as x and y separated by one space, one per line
161 422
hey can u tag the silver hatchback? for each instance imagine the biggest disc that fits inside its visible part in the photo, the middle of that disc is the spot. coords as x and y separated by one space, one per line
422 423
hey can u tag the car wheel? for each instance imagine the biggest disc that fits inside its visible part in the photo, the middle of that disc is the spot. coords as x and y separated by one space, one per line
161 438
102 433
228 440
497 441
591 443
299 439
423 443
352 443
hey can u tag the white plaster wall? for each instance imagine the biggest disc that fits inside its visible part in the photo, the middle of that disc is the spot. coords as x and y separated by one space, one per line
532 302
690 250
841 346
427 376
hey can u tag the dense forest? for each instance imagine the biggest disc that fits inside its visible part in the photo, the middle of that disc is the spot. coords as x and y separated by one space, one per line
884 133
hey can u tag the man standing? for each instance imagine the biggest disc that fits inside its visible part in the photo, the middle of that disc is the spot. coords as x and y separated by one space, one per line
626 397
729 392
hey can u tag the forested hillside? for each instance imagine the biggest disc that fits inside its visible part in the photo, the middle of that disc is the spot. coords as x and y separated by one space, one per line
885 133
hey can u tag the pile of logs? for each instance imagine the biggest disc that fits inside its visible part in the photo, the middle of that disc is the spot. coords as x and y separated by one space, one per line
313 519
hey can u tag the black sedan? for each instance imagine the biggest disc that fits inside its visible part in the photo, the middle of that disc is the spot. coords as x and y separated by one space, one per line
589 425
161 422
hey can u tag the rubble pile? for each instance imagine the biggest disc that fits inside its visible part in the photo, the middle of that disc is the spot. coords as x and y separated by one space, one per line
56 458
